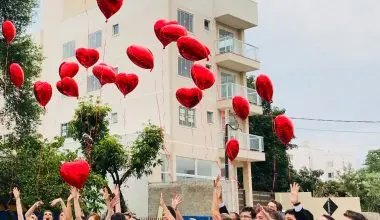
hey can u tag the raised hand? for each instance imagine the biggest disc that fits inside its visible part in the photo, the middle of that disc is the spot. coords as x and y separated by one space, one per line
294 189
162 202
217 181
55 202
38 204
176 201
106 194
74 192
16 193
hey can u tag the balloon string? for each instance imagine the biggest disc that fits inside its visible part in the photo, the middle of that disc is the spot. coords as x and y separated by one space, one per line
105 43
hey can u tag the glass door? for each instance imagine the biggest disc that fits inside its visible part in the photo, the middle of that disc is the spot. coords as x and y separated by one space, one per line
226 41
227 85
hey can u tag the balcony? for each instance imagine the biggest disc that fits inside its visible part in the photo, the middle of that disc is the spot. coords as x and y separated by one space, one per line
238 14
237 55
228 90
251 146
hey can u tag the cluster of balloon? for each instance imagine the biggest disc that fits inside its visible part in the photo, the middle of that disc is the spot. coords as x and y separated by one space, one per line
109 7
232 149
264 87
141 57
284 129
75 173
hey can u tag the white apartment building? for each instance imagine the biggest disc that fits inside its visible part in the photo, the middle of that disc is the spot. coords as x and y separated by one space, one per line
193 137
330 161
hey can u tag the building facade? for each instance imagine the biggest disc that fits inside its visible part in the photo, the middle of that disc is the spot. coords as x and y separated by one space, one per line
194 138
330 161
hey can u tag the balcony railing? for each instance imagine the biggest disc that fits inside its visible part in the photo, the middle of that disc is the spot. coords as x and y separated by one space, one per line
233 45
229 90
246 141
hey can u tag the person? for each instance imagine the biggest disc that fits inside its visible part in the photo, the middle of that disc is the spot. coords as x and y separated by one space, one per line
234 216
247 213
266 213
112 204
222 207
65 214
176 201
48 215
298 212
94 216
16 194
168 214
29 215
351 215
326 217
118 216
272 205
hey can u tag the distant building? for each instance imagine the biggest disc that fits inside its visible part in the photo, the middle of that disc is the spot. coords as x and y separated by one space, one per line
330 161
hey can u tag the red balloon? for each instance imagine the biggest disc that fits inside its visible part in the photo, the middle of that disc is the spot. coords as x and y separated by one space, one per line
264 87
9 31
207 50
141 56
126 83
172 32
75 173
43 92
232 149
284 129
68 87
68 69
157 29
16 74
202 76
191 49
87 57
241 107
109 7
104 73
189 97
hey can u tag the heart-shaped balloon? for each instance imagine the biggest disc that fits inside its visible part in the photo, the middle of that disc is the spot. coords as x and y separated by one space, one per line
232 149
283 128
141 56
75 173
16 74
191 49
241 107
68 69
202 76
9 31
68 87
157 29
172 32
109 7
87 57
43 92
264 87
189 97
126 83
104 73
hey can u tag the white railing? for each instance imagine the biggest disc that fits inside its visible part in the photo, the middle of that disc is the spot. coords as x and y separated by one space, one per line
246 141
233 45
229 90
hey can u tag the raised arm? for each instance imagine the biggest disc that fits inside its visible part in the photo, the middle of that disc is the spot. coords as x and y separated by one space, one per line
117 196
215 199
106 197
167 213
16 194
33 208
69 211
78 211
176 201
300 212
60 202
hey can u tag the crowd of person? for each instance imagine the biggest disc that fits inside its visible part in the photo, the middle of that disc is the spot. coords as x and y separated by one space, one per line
272 211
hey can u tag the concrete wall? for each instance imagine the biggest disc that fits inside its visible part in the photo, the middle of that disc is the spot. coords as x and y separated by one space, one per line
371 215
315 205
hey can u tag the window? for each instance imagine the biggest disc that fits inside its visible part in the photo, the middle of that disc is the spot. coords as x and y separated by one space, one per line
114 118
93 83
189 168
226 41
115 29
68 49
185 19
330 163
210 117
64 130
330 175
186 116
208 66
165 176
184 67
95 39
207 24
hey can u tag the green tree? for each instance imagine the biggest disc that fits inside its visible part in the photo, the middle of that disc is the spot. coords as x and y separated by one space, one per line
308 179
373 161
329 188
107 155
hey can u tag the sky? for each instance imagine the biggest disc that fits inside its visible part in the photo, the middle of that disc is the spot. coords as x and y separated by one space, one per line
323 58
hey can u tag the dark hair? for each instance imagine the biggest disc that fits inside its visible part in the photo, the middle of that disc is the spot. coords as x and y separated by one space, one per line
354 215
250 210
328 217
225 216
279 206
118 216
290 212
172 211
234 213
95 215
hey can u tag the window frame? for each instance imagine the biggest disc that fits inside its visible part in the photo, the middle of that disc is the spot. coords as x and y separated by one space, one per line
113 121
186 122
212 117
118 30
208 22
64 125
191 21
182 65
94 83
90 40
66 46
196 172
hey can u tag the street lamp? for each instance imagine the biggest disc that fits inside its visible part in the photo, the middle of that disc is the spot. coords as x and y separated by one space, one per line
226 166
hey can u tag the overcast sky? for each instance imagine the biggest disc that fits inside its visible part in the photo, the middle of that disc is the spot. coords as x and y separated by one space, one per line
323 57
